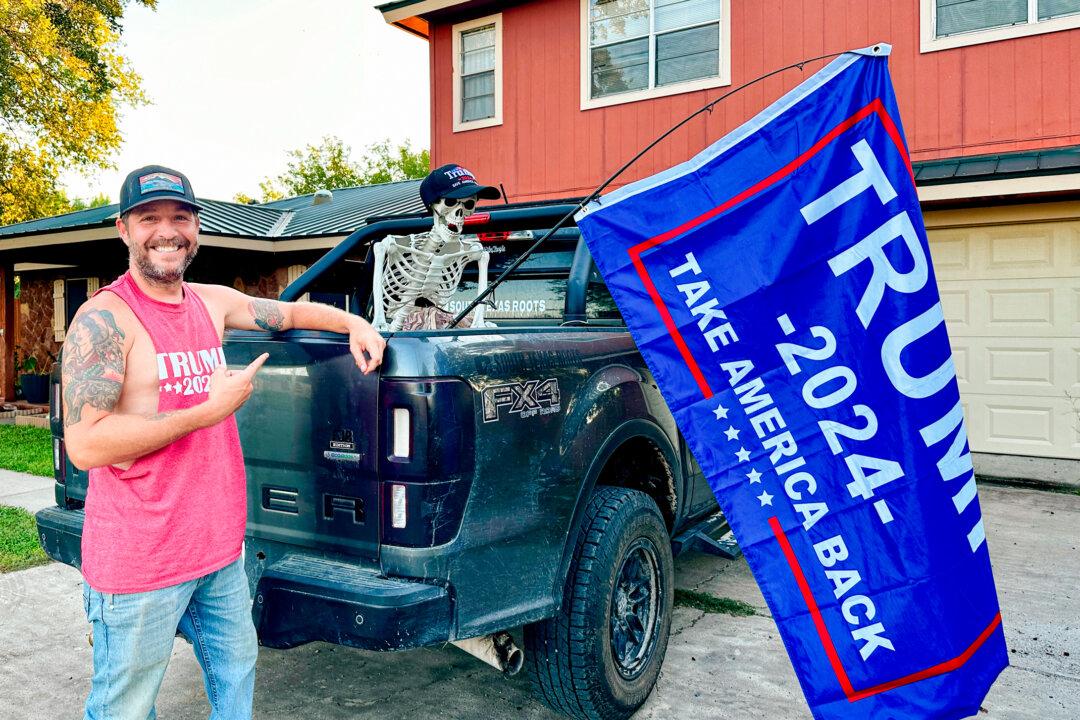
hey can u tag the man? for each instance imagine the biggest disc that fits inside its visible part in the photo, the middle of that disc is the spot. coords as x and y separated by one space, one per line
148 408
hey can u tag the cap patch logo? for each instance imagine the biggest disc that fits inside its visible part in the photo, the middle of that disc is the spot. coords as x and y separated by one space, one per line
159 181
460 173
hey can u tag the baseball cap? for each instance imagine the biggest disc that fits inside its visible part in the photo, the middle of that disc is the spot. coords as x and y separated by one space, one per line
454 181
155 182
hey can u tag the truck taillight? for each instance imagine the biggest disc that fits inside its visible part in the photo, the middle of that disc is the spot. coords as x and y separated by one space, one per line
399 506
401 442
56 413
426 458
59 461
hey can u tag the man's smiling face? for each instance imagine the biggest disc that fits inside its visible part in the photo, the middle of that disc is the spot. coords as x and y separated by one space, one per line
162 239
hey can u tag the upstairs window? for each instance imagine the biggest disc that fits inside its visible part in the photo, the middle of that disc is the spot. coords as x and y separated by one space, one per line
955 23
478 73
638 49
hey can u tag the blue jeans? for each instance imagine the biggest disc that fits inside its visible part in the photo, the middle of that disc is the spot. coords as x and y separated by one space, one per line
133 641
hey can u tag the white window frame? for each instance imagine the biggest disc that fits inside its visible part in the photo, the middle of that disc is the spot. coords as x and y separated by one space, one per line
60 302
722 79
1033 26
456 32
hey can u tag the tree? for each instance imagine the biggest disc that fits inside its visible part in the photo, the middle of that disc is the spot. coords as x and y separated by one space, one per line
62 82
328 166
383 163
95 202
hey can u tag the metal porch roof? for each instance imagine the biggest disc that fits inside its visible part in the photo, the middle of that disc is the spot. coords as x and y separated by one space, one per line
1000 166
289 218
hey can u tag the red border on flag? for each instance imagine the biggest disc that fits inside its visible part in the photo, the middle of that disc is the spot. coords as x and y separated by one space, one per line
830 649
874 108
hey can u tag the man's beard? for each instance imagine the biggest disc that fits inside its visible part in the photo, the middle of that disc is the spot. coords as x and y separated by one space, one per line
161 276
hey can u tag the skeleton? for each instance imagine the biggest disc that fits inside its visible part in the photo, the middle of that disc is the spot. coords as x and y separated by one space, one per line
426 265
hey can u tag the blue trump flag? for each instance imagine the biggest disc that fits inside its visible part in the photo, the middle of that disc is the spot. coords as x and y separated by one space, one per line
779 286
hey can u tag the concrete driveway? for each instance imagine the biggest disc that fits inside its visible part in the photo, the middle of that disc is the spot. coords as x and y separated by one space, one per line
717 666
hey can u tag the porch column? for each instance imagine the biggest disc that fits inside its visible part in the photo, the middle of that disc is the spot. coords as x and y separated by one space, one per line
7 327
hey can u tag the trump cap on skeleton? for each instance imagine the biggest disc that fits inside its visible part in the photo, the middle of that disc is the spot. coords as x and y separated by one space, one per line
454 181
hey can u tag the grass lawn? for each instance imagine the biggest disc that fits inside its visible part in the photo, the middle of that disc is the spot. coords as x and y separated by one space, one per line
26 449
712 604
19 546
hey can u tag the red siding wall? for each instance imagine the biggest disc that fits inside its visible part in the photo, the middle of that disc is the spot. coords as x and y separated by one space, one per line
1010 95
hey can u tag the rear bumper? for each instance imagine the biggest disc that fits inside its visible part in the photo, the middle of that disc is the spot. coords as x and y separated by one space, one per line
60 534
303 598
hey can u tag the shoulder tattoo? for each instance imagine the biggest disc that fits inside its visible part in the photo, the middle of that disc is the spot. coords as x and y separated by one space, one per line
93 364
267 314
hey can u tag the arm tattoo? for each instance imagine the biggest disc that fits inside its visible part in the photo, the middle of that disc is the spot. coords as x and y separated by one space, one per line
93 364
267 314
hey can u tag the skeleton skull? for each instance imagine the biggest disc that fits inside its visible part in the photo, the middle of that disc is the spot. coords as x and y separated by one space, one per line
451 212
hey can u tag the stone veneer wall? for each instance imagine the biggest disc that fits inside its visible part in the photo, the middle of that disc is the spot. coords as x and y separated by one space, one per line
35 308
265 284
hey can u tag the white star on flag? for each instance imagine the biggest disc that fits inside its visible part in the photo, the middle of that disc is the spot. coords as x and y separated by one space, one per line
765 498
754 475
720 412
743 454
732 433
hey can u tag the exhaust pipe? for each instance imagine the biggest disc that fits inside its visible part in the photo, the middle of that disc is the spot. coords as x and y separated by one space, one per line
497 650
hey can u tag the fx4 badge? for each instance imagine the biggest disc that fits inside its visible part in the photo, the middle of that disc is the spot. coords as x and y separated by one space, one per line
534 397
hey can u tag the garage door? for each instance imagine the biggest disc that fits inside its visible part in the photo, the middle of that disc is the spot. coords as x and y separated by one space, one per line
1012 305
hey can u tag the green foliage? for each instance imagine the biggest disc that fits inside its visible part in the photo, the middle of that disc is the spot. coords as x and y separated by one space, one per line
712 604
328 166
62 82
28 364
26 449
19 547
383 163
79 204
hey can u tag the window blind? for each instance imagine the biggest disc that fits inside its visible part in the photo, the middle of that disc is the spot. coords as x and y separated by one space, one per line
1056 8
478 74
958 16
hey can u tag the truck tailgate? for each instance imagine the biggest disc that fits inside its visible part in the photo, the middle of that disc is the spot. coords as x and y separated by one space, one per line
309 439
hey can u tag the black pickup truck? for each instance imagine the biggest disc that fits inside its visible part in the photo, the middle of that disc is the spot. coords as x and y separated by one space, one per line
527 474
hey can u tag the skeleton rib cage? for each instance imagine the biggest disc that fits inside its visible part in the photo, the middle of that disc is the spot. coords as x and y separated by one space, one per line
406 270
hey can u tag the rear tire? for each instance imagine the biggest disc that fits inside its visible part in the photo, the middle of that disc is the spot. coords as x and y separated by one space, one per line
599 658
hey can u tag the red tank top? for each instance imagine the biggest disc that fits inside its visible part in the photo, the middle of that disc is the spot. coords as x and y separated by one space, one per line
177 513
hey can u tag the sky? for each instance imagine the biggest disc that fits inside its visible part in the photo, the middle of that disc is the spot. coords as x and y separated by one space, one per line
234 85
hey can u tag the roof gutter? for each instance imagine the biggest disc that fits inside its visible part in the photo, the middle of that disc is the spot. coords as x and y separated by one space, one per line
406 14
1033 185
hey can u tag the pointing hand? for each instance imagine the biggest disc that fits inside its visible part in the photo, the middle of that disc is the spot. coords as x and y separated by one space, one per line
230 389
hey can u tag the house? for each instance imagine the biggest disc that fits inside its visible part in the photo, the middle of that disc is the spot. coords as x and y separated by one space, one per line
550 97
258 249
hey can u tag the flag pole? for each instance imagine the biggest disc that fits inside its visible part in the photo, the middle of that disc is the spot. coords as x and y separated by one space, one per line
603 186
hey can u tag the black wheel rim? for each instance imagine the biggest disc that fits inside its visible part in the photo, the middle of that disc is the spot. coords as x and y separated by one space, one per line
635 600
